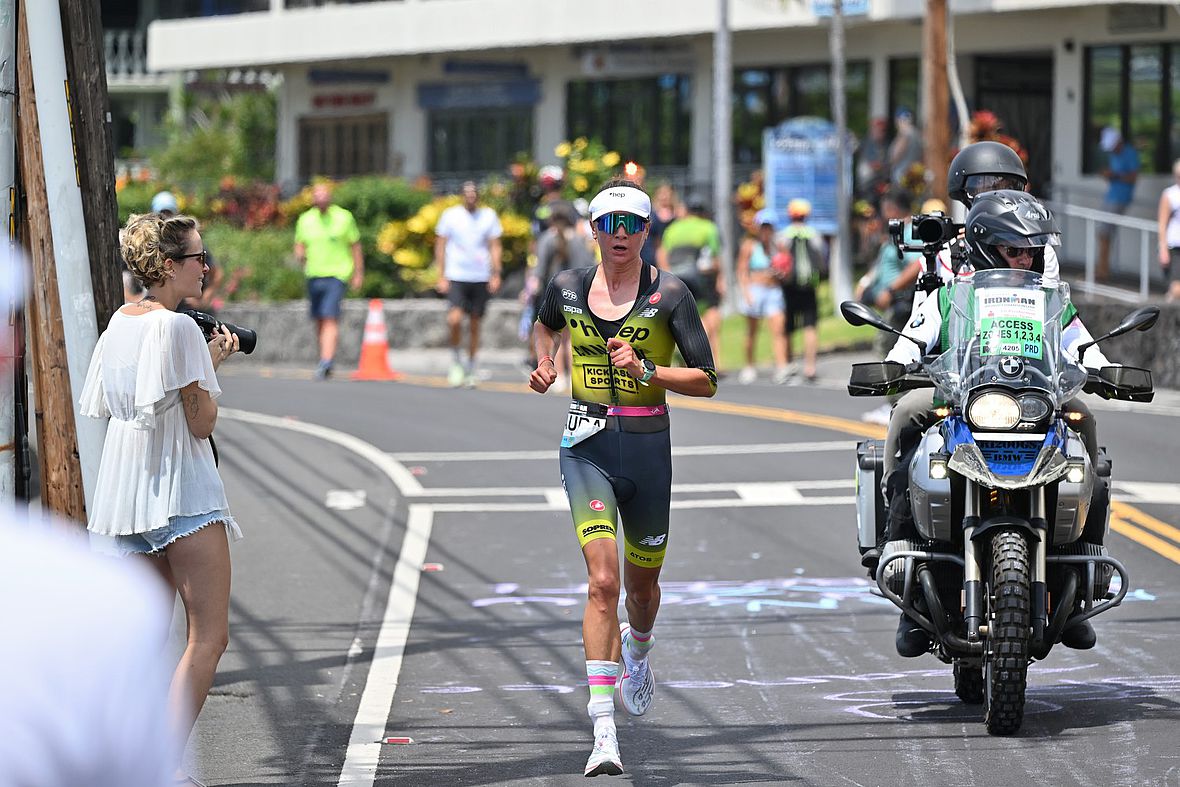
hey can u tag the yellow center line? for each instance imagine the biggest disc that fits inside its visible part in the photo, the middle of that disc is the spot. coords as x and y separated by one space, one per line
1144 520
1142 537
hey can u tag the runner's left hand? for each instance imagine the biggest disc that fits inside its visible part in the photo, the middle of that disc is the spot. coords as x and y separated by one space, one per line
622 356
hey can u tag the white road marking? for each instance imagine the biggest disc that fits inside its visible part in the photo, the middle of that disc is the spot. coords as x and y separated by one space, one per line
754 487
685 450
368 727
397 472
345 499
1147 492
729 502
372 715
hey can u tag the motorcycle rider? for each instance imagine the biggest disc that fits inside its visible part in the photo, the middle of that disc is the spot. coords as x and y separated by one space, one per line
977 169
1004 229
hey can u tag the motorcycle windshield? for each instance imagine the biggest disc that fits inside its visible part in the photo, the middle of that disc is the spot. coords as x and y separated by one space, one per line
1004 328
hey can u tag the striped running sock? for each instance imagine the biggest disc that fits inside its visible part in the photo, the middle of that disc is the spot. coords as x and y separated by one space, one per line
601 677
638 644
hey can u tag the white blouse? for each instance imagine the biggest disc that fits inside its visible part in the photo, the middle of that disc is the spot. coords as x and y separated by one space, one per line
153 467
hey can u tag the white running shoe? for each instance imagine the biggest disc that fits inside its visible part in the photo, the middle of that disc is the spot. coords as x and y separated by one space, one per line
604 759
455 375
637 682
747 375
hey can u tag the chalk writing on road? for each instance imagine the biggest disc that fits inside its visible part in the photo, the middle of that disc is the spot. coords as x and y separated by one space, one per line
903 695
758 595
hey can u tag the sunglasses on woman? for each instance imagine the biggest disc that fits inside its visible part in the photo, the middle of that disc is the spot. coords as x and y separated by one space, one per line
609 222
202 256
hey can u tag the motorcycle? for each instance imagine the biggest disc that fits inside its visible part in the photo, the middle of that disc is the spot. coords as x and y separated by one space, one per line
1000 488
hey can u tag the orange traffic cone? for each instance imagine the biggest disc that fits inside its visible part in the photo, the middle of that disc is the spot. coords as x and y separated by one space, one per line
374 363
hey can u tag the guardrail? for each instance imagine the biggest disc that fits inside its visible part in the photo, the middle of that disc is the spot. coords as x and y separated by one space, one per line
1092 218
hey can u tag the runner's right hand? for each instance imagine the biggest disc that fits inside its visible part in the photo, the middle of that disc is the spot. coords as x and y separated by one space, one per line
543 377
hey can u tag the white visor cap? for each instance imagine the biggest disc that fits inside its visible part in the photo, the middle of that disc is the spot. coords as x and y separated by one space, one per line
622 199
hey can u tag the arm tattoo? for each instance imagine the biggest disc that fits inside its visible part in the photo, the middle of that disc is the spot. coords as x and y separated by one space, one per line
192 405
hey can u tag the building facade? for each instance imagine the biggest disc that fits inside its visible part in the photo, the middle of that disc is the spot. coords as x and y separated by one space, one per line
457 87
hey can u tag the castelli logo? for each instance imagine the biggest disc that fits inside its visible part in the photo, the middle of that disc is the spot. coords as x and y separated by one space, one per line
597 505
655 298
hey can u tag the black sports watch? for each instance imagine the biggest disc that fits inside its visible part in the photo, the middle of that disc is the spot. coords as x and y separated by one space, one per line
649 370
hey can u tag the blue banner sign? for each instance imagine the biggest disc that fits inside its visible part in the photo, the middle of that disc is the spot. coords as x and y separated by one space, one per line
479 95
850 8
800 158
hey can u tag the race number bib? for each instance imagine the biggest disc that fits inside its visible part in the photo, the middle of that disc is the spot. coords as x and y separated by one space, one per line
583 420
1010 322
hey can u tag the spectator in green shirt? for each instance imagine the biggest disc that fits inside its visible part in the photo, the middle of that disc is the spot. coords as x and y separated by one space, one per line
328 245
691 249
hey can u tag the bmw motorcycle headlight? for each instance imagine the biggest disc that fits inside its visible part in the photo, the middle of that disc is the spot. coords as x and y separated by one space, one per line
994 410
1033 408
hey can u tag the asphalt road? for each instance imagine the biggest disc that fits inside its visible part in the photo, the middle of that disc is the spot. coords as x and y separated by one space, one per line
774 662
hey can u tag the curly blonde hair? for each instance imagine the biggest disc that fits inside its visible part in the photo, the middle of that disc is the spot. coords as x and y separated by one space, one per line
150 238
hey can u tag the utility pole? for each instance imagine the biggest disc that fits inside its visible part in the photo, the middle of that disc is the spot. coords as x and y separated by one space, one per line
61 472
841 257
935 99
90 114
723 142
10 288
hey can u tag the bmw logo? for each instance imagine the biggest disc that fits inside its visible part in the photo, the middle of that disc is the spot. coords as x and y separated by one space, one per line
1010 366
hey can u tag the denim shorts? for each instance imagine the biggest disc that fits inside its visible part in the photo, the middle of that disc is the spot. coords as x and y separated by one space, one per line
324 294
766 300
153 541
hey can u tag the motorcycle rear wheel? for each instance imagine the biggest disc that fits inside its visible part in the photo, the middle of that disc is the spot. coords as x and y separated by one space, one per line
1006 658
969 683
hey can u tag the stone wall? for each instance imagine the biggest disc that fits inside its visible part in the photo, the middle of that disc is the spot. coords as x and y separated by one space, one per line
286 333
1157 349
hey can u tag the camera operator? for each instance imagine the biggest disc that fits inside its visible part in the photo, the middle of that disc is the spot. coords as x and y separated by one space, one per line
158 491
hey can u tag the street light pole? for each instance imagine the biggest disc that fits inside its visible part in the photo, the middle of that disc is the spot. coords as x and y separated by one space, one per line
723 140
841 268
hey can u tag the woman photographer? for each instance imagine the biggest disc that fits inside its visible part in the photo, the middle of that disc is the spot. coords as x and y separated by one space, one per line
154 377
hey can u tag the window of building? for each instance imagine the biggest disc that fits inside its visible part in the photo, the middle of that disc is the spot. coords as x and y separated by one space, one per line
478 140
1133 88
765 97
648 120
339 147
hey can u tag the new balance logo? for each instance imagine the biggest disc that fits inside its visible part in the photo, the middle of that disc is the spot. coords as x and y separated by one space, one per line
649 313
653 541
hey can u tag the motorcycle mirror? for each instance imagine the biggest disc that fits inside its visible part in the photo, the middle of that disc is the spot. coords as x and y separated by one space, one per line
856 313
1141 319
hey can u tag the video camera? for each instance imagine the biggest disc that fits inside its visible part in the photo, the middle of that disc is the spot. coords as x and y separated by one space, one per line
931 231
247 339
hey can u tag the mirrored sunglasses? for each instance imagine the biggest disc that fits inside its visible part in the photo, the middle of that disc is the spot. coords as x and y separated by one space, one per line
610 222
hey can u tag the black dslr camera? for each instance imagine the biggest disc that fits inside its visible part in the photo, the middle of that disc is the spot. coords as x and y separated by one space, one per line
247 339
931 232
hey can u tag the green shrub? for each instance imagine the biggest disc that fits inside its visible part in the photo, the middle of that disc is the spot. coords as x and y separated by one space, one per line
260 261
135 197
375 199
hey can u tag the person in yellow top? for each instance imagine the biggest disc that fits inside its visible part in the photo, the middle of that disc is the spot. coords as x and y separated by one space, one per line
328 245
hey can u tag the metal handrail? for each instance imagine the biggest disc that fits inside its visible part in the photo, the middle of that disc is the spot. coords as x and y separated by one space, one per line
1092 217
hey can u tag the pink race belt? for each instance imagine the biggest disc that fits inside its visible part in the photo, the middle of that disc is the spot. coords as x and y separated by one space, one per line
659 409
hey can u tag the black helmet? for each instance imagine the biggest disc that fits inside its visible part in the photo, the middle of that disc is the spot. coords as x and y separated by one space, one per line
982 167
1008 218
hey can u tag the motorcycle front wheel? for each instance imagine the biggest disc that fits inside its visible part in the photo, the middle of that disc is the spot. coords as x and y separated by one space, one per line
1009 613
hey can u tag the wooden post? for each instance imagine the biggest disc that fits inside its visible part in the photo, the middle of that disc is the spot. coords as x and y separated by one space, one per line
935 97
61 470
94 149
